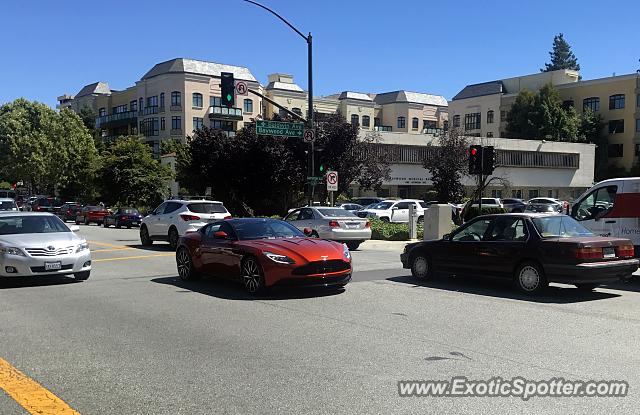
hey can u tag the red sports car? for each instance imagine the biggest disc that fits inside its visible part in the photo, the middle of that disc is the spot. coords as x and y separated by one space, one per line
262 253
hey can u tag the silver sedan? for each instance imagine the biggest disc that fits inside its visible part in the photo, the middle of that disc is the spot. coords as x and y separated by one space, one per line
332 223
36 244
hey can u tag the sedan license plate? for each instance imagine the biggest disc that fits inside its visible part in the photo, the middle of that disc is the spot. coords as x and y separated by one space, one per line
52 266
352 225
608 253
134 222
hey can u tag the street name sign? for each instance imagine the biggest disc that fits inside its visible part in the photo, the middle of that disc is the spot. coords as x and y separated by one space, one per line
278 128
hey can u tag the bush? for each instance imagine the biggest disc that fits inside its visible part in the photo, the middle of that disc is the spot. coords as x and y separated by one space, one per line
392 231
472 212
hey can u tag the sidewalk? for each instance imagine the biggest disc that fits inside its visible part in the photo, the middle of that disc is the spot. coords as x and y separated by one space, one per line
377 245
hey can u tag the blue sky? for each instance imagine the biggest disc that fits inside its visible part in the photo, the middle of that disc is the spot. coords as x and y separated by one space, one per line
55 47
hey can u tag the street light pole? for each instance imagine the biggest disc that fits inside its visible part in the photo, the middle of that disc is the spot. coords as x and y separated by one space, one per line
310 115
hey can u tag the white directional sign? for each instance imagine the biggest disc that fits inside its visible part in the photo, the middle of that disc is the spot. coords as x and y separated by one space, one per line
332 181
241 88
309 135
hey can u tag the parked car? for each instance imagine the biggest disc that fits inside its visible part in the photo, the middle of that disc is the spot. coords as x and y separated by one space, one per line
89 214
7 194
563 206
529 249
396 211
543 208
351 207
262 253
513 205
489 202
7 204
69 211
41 244
367 200
175 218
46 204
124 216
332 223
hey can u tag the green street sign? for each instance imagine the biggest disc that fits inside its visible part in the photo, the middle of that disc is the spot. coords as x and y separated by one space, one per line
278 128
316 178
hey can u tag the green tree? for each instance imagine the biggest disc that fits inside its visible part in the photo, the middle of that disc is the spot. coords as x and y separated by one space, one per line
448 163
561 56
52 152
130 176
523 118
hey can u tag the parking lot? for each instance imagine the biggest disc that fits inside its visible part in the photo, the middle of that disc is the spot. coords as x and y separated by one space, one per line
134 339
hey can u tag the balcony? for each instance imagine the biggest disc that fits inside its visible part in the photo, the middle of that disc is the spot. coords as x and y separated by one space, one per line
224 113
148 111
382 128
114 120
433 131
175 108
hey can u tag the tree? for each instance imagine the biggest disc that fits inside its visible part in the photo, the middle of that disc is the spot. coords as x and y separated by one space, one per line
523 118
561 56
448 163
129 176
52 152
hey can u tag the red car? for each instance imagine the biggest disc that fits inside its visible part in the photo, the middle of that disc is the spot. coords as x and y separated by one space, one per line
262 253
90 214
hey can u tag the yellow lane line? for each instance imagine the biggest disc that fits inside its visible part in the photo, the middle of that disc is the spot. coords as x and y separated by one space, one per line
107 245
111 250
30 394
131 257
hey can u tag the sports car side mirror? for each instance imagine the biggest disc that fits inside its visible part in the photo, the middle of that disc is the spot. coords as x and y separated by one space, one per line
220 235
307 231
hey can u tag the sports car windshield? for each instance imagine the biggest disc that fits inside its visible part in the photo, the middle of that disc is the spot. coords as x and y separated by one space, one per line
13 225
560 226
267 229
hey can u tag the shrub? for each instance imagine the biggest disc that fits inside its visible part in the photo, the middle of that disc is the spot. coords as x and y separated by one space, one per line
386 231
473 211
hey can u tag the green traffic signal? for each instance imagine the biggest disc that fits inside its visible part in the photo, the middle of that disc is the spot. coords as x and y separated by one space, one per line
228 97
321 168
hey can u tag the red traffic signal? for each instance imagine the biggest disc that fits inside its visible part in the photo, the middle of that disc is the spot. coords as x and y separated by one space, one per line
474 151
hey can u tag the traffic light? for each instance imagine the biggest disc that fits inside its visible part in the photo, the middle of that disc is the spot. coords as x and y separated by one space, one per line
228 88
475 159
488 160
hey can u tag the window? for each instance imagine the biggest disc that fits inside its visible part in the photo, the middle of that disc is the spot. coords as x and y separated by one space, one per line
120 109
637 125
196 100
176 123
472 121
507 229
140 104
473 232
503 116
152 101
162 100
415 123
638 100
222 125
616 101
162 124
496 193
490 117
248 105
592 103
456 121
616 126
355 119
429 124
637 150
133 105
533 193
402 122
176 99
215 101
197 123
297 111
366 121
616 150
516 194
149 127
567 104
102 112
445 125
596 204
376 122
489 134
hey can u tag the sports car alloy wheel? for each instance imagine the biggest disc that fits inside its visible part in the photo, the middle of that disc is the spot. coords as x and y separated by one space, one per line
185 267
251 275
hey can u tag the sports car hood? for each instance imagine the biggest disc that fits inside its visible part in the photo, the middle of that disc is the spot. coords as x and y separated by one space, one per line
310 249
34 240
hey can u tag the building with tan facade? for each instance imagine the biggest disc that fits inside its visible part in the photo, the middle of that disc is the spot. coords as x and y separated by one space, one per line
481 109
179 96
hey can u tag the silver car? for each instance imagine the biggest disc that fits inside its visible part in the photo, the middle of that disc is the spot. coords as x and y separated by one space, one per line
8 204
36 244
332 223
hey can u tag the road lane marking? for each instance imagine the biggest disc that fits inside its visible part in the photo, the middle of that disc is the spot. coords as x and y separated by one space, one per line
122 258
112 249
107 245
32 396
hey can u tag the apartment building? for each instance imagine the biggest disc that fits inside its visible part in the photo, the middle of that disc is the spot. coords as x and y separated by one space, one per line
481 109
170 101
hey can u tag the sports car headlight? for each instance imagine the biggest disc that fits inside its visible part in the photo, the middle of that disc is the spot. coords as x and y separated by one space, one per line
345 251
82 247
280 259
8 250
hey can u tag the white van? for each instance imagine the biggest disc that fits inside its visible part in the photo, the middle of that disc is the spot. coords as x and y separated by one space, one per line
611 208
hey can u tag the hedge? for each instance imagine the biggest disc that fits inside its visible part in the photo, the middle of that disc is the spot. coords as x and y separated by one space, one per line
392 231
473 211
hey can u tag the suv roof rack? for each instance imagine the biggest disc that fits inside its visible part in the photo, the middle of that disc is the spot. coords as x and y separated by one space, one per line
189 197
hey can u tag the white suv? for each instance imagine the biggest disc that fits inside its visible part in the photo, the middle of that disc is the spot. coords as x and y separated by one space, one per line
173 218
396 210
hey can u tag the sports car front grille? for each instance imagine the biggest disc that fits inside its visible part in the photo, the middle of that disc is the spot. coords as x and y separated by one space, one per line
322 267
46 252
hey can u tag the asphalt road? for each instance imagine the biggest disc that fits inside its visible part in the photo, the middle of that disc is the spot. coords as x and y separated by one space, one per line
134 339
